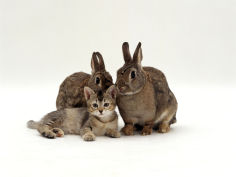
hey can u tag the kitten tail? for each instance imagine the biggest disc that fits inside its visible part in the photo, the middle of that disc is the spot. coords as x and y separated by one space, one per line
32 124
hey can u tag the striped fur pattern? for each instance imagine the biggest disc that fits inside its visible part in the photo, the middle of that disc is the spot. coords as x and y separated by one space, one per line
97 119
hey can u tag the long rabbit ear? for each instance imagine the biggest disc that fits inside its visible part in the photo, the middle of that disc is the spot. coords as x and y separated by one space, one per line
101 62
138 56
94 63
126 52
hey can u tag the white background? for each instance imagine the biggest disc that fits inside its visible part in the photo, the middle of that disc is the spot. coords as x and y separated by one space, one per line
192 41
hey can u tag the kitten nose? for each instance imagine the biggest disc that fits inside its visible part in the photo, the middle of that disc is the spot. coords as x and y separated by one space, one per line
100 111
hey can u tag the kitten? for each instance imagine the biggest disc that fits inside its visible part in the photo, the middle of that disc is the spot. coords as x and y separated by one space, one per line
99 118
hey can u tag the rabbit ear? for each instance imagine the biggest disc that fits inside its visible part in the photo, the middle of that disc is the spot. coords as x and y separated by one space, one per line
101 62
88 92
94 63
138 56
126 53
112 91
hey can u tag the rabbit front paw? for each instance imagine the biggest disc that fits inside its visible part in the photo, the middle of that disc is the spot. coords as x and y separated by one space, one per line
147 130
128 129
164 128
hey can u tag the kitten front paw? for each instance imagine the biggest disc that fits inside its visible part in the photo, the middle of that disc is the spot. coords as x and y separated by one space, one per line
49 134
89 137
128 129
113 133
59 132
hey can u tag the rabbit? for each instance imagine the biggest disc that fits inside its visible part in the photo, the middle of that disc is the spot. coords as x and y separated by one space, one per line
144 98
71 91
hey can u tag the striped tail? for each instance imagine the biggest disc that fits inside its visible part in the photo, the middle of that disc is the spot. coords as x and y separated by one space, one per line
32 124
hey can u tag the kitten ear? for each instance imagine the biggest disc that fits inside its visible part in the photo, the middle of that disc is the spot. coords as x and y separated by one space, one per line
88 92
112 91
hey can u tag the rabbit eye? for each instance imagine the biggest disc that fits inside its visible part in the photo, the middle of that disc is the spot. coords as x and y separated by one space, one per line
95 105
133 74
97 80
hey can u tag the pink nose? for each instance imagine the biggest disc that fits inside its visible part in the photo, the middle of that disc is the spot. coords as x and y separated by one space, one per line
122 89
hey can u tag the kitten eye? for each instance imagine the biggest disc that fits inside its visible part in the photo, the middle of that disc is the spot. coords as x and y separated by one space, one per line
95 105
97 80
133 74
106 104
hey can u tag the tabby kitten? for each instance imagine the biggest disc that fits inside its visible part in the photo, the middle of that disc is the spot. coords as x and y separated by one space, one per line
99 118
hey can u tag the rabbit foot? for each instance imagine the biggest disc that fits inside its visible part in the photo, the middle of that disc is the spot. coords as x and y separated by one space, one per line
59 132
147 130
128 129
164 128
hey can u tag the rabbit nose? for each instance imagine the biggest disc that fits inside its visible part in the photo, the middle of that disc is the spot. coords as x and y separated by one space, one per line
122 88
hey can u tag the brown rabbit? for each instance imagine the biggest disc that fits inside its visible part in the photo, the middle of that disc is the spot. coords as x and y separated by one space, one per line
144 98
71 92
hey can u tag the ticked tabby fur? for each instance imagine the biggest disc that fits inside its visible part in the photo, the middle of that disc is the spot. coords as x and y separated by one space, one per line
98 118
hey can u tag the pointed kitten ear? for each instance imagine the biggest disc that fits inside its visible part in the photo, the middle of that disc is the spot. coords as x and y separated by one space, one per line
112 91
94 63
126 52
88 92
101 62
138 56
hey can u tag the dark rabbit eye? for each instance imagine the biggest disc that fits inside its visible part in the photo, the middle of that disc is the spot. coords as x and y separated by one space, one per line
95 105
106 104
133 74
97 80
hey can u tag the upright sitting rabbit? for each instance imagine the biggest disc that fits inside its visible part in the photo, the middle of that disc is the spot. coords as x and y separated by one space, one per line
144 98
71 92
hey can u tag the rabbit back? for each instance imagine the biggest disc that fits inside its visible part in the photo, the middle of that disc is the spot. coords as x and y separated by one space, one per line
71 91
165 99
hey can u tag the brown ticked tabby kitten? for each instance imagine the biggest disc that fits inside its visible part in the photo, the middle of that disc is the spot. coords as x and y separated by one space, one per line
71 92
98 118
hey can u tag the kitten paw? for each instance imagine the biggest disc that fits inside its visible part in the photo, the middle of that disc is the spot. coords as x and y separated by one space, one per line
146 131
59 132
89 137
164 128
128 130
116 135
113 133
49 134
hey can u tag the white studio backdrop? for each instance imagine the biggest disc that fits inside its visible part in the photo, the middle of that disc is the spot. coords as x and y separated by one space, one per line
192 41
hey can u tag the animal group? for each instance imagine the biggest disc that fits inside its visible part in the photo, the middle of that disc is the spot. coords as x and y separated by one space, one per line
86 102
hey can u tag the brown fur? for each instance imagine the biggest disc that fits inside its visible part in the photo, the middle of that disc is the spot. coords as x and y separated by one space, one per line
87 122
146 99
71 92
